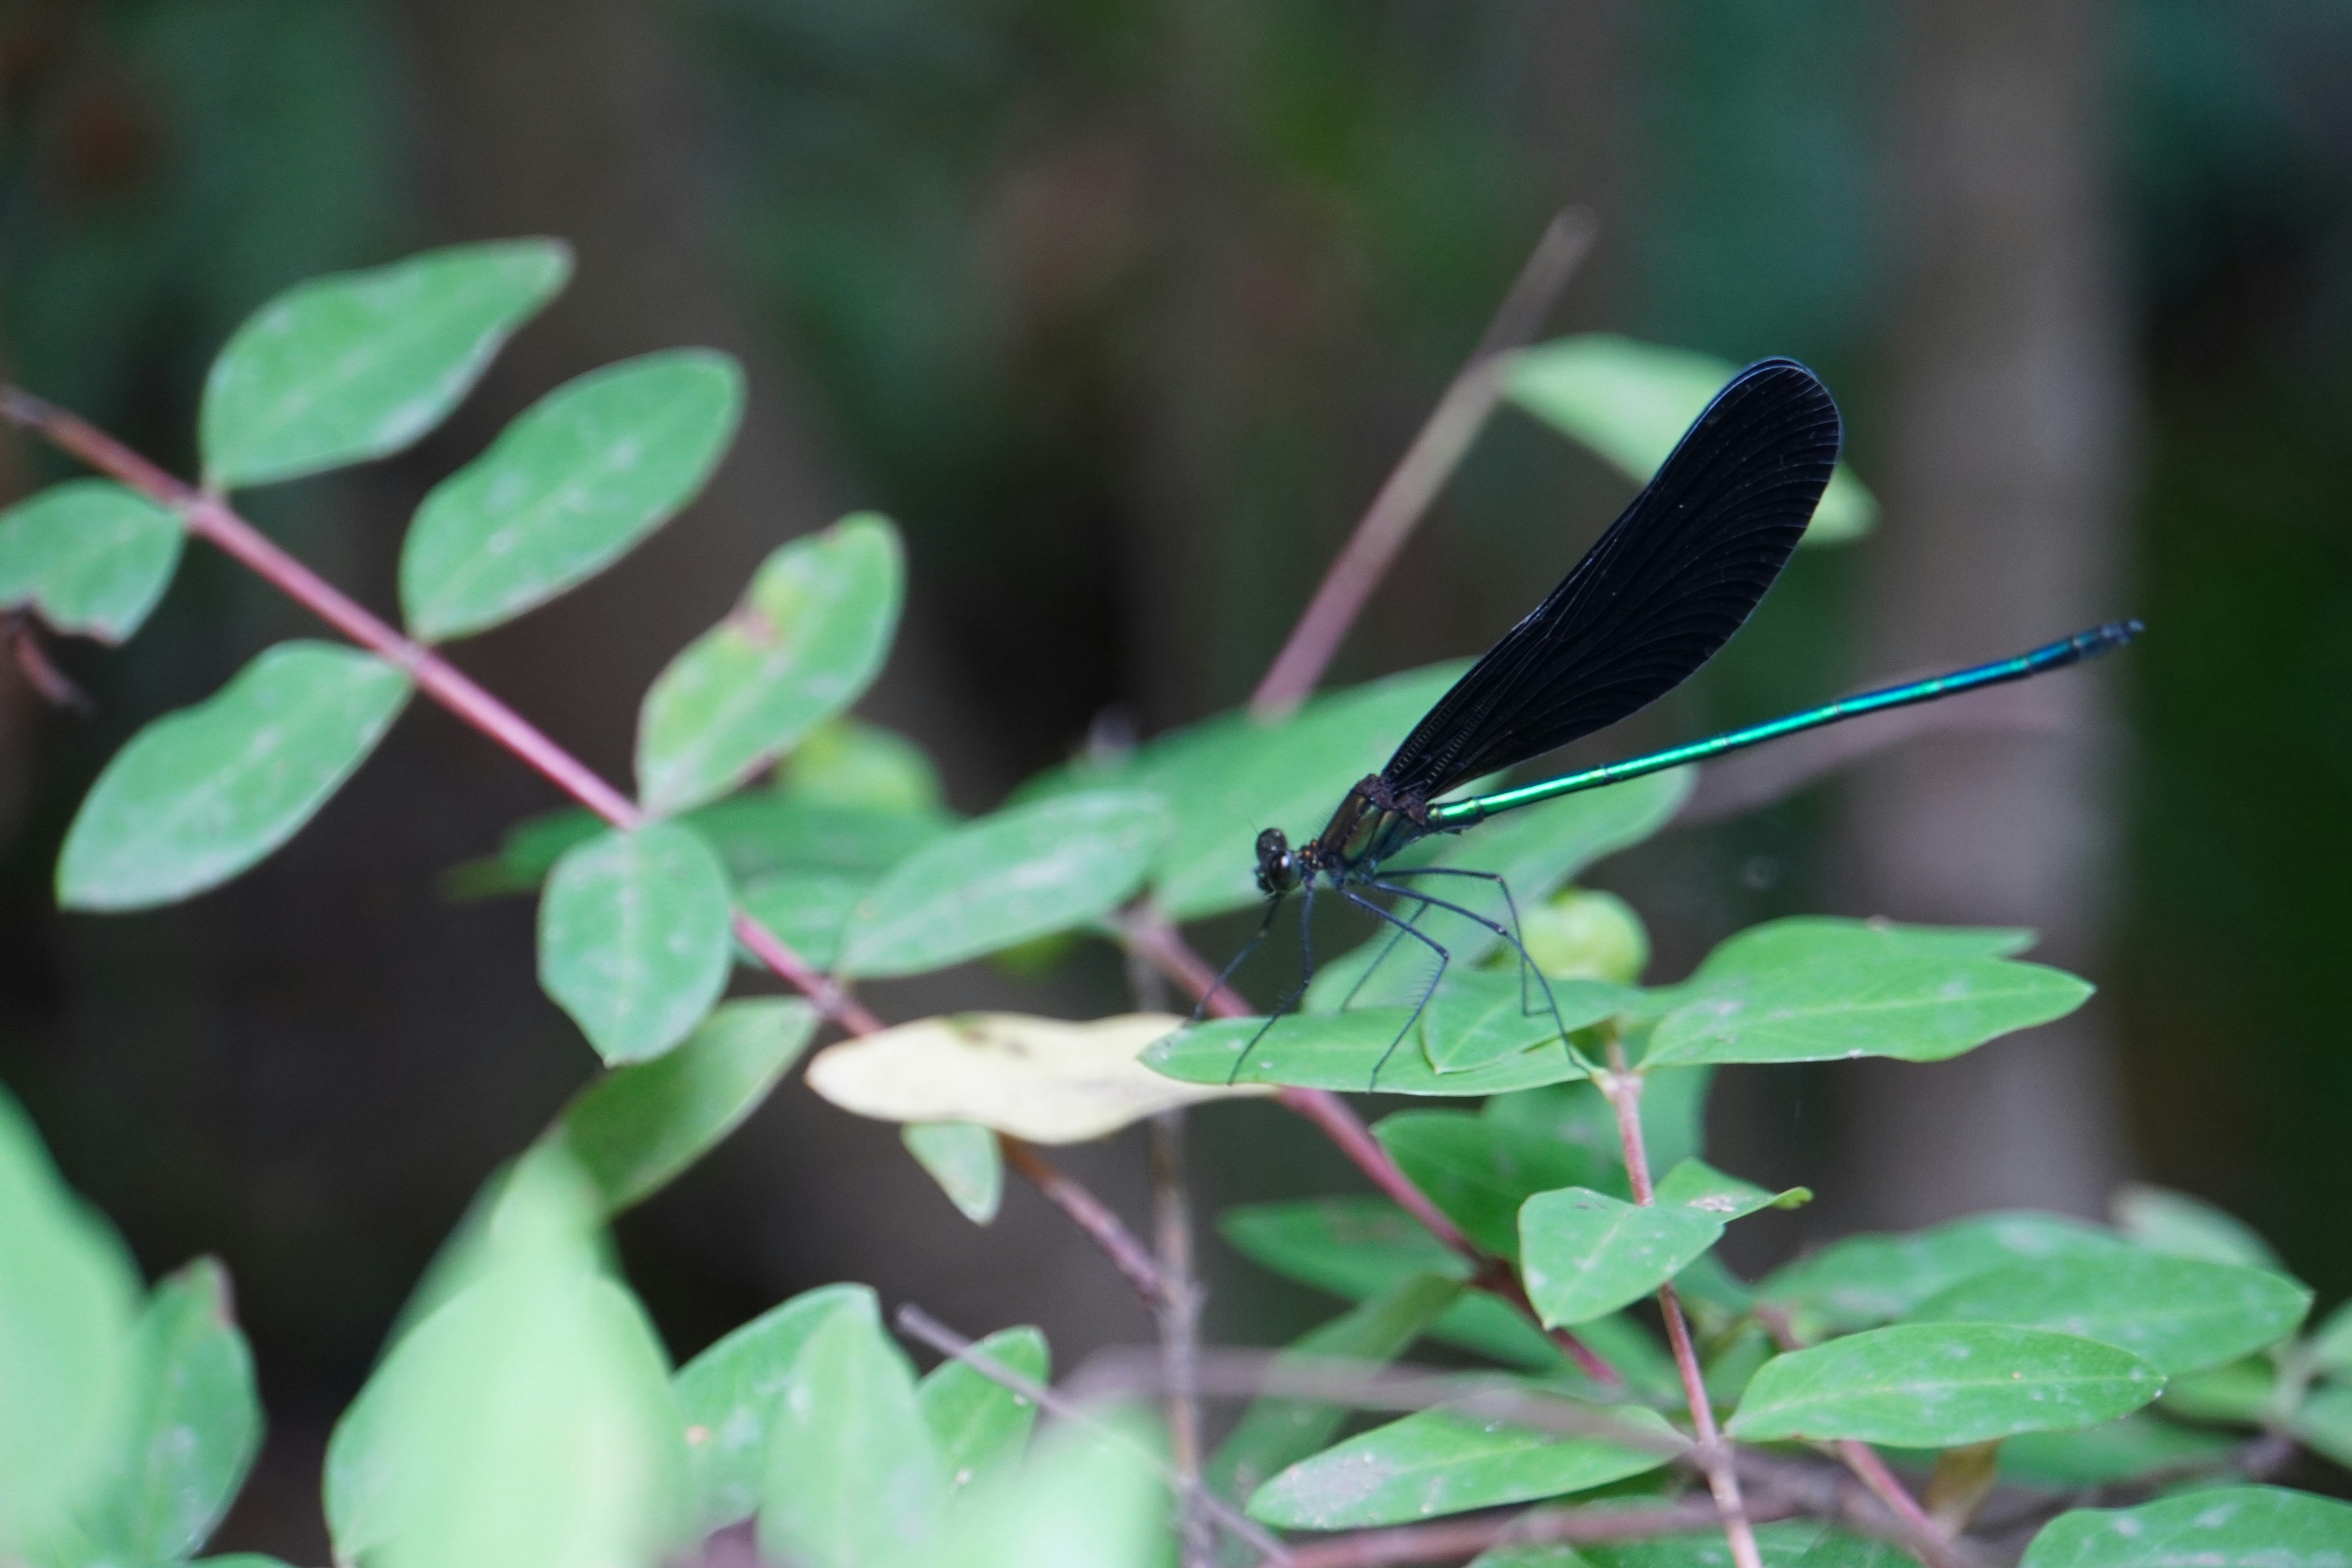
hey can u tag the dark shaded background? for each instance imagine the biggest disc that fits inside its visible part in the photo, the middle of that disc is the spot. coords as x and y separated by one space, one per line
1122 308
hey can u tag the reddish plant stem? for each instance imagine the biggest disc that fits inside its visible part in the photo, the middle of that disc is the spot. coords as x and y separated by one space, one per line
209 517
1423 469
1458 1538
1161 944
1624 1093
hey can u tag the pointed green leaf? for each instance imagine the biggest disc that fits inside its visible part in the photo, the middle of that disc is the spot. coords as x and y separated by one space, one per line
808 638
91 556
806 910
1436 1462
1274 1434
2139 1445
1937 1386
1631 402
634 1129
1584 1253
2230 1527
2243 1394
1480 1171
2165 1221
2181 1314
2331 1346
980 1426
1534 851
1817 939
1022 873
632 938
531 1418
850 764
195 1424
1696 1184
67 1293
200 796
568 488
2324 1422
1479 1016
1785 1543
358 365
1090 1497
1910 1009
965 1159
1865 1280
1359 1051
729 1396
853 1476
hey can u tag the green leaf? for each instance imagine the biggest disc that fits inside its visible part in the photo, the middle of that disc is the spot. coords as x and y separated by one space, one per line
2181 1314
2230 1527
530 1417
1534 851
1785 1543
1229 777
636 1129
1480 1171
808 638
1818 939
1673 1106
1090 1497
1436 1462
200 796
1479 1016
1631 402
849 763
67 1361
1696 1184
1584 1253
853 1474
1938 1385
1867 1279
964 1159
91 556
731 1394
2331 1346
1913 1008
806 910
2324 1422
979 1425
195 1428
2165 1221
632 938
1274 1434
359 366
1361 1051
2243 1394
2125 1450
1003 879
567 490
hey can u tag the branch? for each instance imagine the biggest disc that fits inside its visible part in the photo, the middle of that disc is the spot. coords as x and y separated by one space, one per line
1179 1321
1458 1538
1624 1093
1423 469
209 517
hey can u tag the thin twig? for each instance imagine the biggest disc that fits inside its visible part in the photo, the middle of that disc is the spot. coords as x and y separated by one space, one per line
915 1324
1455 1540
1624 1093
1423 469
210 518
1179 1321
1091 1215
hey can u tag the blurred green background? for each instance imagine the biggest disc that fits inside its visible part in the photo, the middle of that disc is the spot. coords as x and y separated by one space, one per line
1123 307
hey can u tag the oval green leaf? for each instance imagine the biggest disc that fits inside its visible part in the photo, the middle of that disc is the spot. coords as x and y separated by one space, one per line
1865 1280
91 556
853 1473
729 1396
632 938
358 365
2229 1527
1630 402
2162 1220
979 1425
808 638
195 1424
1584 1254
568 488
1938 1385
965 1159
806 910
2181 1314
202 795
67 1300
1479 1170
636 1129
1696 1184
1363 1051
1022 873
1436 1462
1912 1009
1817 939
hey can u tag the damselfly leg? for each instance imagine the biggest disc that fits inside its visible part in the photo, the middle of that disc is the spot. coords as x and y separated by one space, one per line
1306 977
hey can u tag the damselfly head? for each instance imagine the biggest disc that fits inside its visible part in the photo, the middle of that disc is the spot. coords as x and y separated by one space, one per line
1277 864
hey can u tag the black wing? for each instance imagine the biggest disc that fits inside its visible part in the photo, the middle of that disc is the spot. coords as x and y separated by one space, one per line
1678 571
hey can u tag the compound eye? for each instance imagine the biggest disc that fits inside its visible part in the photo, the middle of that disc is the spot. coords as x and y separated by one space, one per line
1276 869
1273 845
